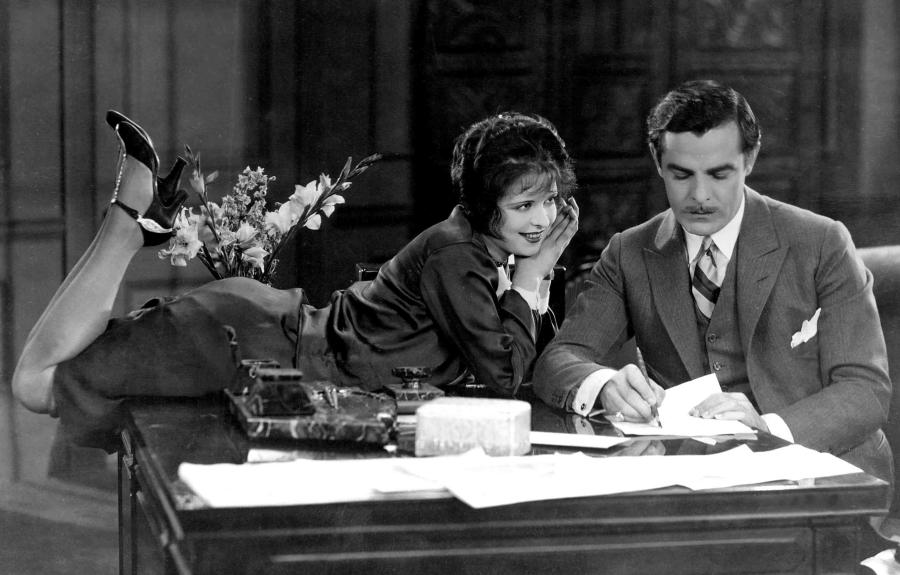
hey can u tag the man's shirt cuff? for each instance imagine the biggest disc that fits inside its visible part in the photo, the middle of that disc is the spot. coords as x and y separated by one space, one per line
778 427
589 389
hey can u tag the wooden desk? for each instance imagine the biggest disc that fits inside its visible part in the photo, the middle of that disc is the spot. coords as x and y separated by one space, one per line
773 528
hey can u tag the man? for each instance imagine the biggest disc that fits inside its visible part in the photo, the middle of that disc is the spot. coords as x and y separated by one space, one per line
771 298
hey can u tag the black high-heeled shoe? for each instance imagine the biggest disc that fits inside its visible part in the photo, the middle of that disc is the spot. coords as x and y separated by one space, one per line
133 140
158 221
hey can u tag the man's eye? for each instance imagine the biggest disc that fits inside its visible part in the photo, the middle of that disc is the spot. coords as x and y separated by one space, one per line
681 176
720 175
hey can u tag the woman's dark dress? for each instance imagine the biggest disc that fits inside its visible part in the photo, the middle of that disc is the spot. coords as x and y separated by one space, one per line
434 304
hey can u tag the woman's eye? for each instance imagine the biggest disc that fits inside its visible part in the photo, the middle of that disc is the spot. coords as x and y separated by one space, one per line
524 207
551 200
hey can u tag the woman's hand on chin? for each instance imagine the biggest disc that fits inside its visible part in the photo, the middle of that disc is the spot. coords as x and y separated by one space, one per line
531 270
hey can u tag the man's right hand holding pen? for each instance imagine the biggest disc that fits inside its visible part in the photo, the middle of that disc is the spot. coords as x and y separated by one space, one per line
633 394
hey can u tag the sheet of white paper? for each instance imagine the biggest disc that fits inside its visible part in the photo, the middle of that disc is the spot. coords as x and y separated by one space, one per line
674 418
561 476
575 440
299 482
483 481
792 462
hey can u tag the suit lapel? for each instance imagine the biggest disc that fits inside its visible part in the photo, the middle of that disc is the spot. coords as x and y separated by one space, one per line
759 260
669 284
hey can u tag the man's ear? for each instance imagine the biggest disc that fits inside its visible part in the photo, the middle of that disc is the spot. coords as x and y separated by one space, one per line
750 160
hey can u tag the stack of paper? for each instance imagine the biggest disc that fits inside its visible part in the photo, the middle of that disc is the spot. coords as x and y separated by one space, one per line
483 481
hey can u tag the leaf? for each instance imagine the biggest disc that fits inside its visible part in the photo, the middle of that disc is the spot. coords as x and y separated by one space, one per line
212 177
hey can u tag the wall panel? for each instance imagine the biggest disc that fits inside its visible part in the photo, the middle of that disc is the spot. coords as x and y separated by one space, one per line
35 93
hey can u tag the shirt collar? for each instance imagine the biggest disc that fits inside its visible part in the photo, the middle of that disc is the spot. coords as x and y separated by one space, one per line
725 239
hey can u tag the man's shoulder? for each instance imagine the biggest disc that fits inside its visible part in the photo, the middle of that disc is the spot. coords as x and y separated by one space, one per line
646 231
793 221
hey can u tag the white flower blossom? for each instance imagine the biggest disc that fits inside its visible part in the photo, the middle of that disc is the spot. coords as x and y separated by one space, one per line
305 196
313 222
185 244
255 256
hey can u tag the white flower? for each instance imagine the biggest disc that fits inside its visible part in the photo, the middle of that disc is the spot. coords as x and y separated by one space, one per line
305 196
330 203
245 235
313 222
807 330
255 256
282 220
185 244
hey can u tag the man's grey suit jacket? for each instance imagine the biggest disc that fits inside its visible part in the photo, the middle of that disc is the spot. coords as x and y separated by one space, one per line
833 391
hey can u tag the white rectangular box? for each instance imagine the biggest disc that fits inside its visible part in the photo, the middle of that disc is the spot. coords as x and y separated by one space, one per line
451 425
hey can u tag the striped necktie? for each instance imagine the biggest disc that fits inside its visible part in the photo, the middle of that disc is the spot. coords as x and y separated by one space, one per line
707 278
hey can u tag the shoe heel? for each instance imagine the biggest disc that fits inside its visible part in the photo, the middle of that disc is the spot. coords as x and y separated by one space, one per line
158 221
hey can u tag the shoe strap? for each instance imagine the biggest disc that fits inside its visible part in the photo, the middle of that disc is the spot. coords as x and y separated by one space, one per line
149 225
135 215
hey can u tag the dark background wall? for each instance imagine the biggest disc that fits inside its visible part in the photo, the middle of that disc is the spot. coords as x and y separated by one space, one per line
296 87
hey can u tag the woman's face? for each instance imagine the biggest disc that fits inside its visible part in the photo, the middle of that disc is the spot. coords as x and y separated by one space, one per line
527 209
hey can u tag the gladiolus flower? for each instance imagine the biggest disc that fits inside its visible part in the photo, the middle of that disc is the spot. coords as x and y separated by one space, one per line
245 235
304 196
282 220
255 256
313 222
185 244
330 203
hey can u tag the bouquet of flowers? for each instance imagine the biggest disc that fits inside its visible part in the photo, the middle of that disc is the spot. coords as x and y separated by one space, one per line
241 237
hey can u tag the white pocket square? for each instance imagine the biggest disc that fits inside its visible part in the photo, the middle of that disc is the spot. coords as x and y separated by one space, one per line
807 330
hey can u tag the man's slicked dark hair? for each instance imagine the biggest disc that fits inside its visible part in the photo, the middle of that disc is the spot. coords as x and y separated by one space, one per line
698 106
495 152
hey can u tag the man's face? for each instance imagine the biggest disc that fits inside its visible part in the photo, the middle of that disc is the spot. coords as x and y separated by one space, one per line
704 176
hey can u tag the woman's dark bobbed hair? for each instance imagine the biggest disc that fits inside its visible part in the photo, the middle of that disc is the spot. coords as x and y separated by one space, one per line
495 152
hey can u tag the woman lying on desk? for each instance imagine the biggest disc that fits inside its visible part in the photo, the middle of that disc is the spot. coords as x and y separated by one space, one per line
444 300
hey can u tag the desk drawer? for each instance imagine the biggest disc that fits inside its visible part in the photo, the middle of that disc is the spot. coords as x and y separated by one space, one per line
787 550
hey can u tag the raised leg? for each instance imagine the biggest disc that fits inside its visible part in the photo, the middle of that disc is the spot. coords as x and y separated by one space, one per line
81 307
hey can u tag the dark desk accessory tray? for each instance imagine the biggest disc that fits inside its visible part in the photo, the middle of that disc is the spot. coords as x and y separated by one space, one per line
280 405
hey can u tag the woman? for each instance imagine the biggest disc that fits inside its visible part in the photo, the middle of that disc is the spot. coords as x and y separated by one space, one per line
443 301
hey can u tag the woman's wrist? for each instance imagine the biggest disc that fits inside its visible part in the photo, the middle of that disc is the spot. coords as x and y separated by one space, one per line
531 283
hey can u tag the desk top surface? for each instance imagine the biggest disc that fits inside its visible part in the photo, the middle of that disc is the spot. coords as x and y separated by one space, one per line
163 434
167 433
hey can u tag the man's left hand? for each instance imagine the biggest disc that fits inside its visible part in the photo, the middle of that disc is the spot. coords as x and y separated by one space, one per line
733 406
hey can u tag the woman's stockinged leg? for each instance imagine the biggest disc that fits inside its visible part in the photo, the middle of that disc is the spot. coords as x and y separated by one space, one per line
79 311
